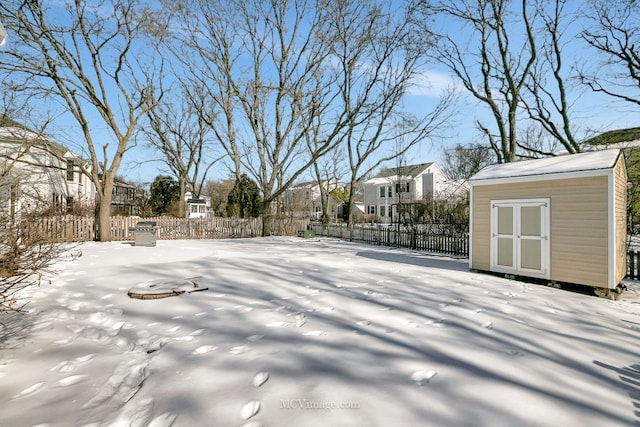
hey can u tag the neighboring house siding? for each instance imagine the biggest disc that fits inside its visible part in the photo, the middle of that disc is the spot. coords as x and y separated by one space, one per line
425 182
43 180
124 199
620 190
579 212
305 201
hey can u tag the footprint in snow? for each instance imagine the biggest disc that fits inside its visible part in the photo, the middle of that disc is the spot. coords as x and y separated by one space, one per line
301 319
239 349
186 338
70 366
260 378
204 349
314 333
488 325
423 377
73 379
276 324
250 409
29 390
164 420
124 383
136 413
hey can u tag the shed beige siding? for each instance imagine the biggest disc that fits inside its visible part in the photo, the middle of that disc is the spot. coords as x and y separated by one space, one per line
620 190
579 227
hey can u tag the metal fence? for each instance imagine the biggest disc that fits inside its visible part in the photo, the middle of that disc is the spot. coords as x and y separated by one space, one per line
438 238
633 269
71 228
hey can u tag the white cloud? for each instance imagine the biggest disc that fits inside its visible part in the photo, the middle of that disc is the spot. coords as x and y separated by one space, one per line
434 83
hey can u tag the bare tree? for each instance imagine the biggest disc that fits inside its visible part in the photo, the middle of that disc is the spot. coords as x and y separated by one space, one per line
259 66
273 75
549 102
536 142
181 134
90 57
219 193
464 161
494 64
327 172
378 57
24 250
612 31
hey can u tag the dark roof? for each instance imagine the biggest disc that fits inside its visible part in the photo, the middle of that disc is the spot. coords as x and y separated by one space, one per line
122 183
412 170
8 122
615 136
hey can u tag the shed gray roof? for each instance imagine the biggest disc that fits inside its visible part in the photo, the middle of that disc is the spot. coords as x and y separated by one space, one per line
589 161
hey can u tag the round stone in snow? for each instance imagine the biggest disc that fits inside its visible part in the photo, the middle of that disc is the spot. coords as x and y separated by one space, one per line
155 289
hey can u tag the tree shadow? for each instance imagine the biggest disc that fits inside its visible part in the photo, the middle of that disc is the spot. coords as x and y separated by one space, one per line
630 379
431 261
15 327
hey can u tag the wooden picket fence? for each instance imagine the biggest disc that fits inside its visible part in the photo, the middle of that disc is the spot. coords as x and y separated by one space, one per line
69 228
438 238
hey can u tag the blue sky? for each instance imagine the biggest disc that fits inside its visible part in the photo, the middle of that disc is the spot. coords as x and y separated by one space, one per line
591 113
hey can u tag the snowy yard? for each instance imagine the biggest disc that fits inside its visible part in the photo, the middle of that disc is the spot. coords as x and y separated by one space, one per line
313 332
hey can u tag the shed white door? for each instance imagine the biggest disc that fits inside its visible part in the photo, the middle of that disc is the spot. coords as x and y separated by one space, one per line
520 237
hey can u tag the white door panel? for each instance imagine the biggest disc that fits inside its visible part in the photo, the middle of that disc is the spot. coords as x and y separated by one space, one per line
520 237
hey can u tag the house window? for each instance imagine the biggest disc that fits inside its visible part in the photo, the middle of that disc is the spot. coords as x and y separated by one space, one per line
389 191
382 191
382 210
371 210
70 165
402 187
69 203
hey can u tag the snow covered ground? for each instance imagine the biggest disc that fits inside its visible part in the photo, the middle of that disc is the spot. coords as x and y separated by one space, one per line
312 332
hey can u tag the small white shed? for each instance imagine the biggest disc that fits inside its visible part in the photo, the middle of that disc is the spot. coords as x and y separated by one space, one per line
559 218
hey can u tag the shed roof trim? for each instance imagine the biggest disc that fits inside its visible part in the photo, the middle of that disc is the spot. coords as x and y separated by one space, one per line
589 161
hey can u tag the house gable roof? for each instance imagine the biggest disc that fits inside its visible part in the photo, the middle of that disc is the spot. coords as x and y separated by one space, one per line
13 132
616 136
411 171
583 163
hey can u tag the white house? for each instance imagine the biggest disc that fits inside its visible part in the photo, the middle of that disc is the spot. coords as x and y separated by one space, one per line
405 185
37 174
304 200
198 207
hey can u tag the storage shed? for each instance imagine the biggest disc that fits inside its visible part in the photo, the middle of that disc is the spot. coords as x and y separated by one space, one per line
559 218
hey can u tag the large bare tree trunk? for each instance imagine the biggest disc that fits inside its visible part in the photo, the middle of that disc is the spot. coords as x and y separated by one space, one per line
104 220
267 219
96 63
